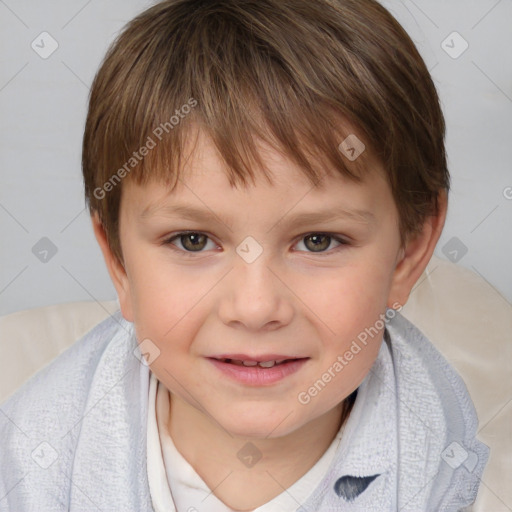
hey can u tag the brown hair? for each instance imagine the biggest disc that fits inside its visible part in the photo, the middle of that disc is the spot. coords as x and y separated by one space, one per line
294 73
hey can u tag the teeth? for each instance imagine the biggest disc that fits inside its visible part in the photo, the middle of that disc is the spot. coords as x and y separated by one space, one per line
262 364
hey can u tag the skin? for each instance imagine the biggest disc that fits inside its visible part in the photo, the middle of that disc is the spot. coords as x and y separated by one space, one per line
290 300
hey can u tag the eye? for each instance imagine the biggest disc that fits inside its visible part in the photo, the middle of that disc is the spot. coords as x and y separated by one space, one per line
194 242
319 242
191 241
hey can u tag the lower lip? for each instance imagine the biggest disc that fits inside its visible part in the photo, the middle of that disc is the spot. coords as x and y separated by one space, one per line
257 376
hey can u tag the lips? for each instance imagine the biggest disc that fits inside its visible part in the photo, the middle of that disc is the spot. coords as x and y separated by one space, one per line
264 370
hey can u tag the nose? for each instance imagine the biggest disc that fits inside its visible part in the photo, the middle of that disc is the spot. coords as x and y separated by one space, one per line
255 297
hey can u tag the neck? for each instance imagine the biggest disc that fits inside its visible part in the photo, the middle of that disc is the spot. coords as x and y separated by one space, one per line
215 454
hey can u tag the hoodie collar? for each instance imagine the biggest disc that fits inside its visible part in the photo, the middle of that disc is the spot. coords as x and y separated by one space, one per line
409 442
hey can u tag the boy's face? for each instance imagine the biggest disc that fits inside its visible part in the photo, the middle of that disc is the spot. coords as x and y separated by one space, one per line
251 281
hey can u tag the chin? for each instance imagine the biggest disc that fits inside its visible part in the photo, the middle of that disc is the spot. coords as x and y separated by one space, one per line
260 423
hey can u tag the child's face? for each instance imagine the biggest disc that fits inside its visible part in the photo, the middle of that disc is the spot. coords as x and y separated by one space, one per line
222 297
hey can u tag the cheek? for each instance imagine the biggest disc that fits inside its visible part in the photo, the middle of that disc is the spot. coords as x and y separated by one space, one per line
349 305
164 296
350 298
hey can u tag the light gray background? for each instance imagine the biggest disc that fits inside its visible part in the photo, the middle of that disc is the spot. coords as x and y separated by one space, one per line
43 108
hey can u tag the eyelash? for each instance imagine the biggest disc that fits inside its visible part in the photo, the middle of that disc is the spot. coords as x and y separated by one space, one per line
342 241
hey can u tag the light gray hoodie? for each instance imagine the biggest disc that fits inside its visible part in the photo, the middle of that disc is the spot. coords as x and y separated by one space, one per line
74 436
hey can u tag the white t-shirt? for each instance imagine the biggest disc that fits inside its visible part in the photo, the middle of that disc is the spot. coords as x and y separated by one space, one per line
176 487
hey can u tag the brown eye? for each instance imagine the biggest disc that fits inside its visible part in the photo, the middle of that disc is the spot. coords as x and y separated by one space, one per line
193 241
320 243
317 242
190 242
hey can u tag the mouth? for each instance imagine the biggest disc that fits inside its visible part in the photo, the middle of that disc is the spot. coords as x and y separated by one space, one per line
257 370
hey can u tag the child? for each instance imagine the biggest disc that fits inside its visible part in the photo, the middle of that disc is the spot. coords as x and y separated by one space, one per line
302 142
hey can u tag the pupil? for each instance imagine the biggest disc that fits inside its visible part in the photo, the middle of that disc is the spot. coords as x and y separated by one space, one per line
317 243
196 240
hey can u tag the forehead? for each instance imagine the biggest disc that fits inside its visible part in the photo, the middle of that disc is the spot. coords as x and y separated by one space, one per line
204 184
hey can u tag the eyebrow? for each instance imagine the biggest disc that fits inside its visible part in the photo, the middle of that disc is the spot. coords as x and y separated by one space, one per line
189 212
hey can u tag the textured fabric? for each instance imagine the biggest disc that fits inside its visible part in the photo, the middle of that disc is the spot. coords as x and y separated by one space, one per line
462 314
33 338
74 436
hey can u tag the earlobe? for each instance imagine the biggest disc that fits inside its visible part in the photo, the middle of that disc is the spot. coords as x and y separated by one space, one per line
115 269
415 256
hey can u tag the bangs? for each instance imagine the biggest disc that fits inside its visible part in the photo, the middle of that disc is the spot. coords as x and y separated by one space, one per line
314 147
224 75
337 87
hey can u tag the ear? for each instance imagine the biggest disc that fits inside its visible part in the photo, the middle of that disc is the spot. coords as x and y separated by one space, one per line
414 258
115 269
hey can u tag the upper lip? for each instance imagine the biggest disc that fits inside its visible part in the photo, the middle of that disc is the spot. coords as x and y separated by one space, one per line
259 359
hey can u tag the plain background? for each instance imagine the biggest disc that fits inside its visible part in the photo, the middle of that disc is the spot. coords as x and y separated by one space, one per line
48 253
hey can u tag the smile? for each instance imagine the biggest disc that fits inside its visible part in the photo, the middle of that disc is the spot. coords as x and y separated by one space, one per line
258 373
